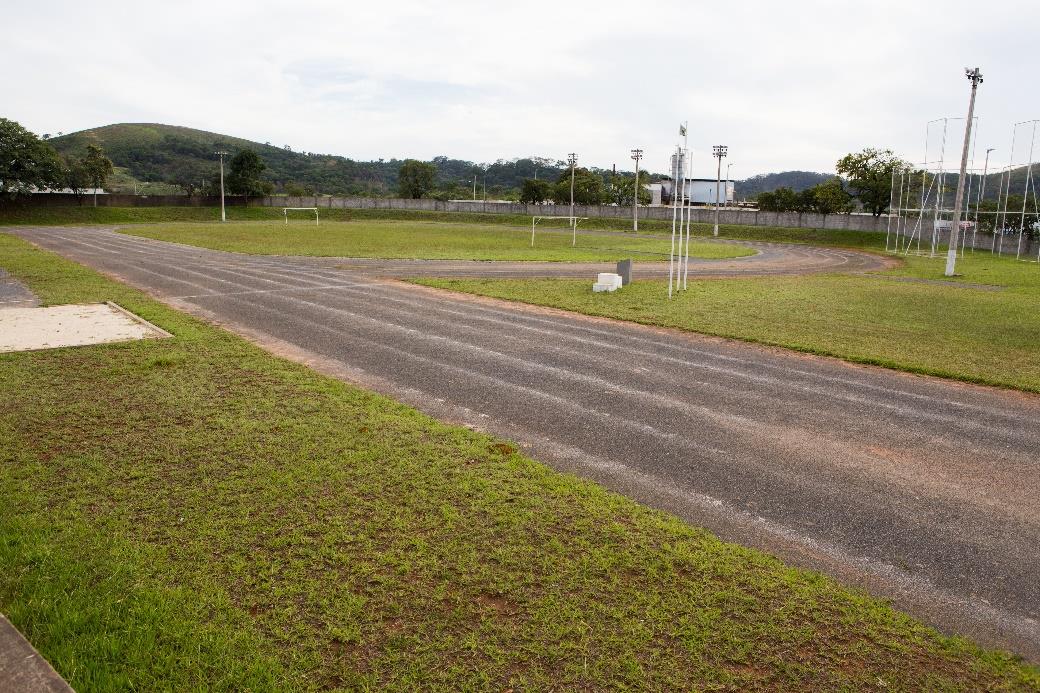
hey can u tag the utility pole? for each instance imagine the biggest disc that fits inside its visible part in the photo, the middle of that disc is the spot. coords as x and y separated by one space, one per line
637 154
718 151
474 187
222 154
572 159
975 77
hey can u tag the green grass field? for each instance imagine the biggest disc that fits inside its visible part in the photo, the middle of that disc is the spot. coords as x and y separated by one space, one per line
427 240
15 214
964 332
196 514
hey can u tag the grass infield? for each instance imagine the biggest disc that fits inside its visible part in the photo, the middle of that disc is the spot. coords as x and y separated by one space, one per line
983 327
194 513
426 240
26 215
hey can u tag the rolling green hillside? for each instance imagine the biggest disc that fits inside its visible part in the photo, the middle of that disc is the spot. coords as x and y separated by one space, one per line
182 156
159 156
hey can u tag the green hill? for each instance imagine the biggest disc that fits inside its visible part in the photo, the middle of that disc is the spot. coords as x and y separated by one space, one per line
749 188
151 152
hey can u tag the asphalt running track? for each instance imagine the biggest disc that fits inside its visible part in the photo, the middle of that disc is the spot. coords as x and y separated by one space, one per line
918 489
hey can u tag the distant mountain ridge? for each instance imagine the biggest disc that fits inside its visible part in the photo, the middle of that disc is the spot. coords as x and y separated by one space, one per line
185 156
768 182
154 152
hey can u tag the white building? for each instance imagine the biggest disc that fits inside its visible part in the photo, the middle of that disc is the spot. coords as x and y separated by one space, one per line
700 191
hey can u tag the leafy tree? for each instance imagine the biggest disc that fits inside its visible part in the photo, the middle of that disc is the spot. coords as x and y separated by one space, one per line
415 178
588 187
805 201
76 177
831 197
26 162
620 192
780 200
297 190
98 167
869 175
244 175
533 191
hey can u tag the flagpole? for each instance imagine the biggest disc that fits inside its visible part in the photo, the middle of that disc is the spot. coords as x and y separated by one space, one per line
689 211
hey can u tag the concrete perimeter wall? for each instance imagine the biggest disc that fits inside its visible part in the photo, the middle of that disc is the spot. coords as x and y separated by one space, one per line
121 200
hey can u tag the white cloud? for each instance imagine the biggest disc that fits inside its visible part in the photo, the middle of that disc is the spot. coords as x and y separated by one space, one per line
785 85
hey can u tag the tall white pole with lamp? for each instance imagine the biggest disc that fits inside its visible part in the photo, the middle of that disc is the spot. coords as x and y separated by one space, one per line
637 154
222 154
718 151
572 159
975 77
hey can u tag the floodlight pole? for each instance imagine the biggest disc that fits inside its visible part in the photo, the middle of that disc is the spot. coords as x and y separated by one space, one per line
975 77
719 151
637 154
223 216
572 159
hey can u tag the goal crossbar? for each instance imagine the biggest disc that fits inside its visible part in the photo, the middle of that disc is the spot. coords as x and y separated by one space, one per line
286 210
572 222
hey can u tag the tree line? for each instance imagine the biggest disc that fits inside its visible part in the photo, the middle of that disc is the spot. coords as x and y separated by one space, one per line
418 179
864 179
29 164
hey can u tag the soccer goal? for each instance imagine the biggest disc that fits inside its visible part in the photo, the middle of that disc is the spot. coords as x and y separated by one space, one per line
286 210
572 222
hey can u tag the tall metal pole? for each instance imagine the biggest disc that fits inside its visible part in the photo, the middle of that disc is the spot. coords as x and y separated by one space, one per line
719 151
687 207
675 207
637 154
572 159
981 196
223 216
951 254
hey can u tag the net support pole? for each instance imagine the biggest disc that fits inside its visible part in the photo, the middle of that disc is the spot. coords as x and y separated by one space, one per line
1025 193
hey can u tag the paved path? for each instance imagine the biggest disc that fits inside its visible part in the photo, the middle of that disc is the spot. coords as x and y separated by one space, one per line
919 489
13 294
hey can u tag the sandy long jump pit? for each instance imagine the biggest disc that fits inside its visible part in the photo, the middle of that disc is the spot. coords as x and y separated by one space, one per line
27 329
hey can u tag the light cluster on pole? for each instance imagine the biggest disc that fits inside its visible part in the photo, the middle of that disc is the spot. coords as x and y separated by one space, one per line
222 154
719 151
637 154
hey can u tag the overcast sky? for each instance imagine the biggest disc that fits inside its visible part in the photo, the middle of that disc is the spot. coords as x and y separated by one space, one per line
787 85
